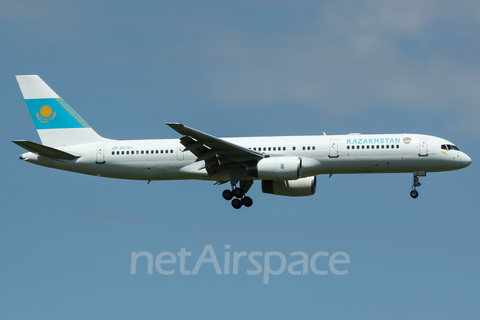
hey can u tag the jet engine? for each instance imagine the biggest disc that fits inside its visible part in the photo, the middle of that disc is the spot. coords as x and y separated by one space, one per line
276 168
292 188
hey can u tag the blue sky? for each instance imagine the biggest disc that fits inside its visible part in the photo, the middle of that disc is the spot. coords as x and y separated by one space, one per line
242 69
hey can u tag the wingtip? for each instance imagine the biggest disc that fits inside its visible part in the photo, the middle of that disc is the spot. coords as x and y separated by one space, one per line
174 124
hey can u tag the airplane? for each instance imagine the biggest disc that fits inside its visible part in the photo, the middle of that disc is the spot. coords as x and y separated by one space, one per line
285 165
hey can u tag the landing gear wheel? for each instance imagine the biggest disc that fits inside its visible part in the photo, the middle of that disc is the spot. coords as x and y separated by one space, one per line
227 195
236 203
238 192
414 194
247 201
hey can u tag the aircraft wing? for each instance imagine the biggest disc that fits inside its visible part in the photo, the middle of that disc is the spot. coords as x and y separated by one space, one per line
214 151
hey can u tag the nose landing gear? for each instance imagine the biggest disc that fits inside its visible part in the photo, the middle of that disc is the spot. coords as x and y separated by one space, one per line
416 182
414 194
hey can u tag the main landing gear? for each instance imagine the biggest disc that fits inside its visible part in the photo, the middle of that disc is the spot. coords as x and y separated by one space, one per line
416 183
239 194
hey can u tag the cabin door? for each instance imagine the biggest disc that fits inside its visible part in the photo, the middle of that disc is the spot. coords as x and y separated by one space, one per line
333 149
100 157
423 151
180 154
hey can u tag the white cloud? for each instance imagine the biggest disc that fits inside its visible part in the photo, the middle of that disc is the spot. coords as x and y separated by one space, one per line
335 57
413 55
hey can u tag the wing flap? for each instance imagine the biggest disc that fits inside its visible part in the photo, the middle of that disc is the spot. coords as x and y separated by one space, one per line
45 151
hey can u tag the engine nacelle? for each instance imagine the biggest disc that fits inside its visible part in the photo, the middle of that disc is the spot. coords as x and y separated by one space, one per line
276 168
292 188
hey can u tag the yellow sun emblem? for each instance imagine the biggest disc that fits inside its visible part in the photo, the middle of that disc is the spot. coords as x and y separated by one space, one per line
46 114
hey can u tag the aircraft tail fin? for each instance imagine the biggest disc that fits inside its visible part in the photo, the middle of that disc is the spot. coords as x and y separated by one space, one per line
57 124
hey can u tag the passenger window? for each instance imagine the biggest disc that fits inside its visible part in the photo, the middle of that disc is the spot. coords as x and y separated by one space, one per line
388 146
308 148
363 147
284 149
383 146
303 148
313 148
398 146
146 152
293 148
368 147
171 151
348 147
113 153
118 152
358 147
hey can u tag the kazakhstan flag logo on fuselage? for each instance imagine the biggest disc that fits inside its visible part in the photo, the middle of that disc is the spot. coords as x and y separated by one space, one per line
46 114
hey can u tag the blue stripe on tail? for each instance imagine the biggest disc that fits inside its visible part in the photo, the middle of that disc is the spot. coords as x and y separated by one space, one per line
54 114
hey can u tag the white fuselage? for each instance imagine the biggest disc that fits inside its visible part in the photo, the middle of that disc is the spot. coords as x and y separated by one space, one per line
164 159
287 165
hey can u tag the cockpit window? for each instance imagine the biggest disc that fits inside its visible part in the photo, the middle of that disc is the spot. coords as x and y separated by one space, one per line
449 147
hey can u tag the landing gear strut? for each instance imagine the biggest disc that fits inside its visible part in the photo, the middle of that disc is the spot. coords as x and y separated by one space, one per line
416 183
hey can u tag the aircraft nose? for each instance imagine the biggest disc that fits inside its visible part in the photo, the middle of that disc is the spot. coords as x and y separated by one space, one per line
466 160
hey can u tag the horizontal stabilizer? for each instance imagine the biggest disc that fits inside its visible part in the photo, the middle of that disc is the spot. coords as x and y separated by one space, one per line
45 151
